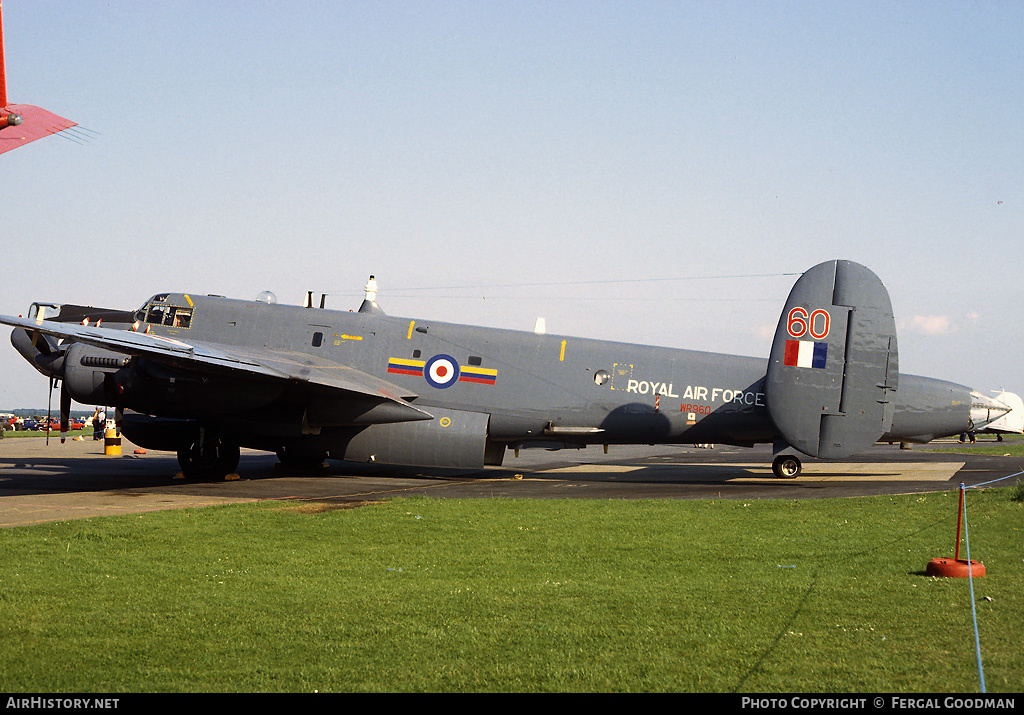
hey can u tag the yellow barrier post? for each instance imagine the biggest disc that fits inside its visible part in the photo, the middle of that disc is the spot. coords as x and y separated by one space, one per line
112 442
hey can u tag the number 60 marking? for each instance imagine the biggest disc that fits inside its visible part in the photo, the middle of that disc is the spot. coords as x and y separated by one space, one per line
817 324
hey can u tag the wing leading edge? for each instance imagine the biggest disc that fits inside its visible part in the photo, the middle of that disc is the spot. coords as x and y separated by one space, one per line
201 357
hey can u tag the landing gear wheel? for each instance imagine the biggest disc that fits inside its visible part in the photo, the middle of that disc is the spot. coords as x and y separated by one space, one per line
786 466
212 459
292 459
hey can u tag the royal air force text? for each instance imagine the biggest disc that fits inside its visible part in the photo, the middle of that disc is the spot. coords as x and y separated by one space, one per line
697 392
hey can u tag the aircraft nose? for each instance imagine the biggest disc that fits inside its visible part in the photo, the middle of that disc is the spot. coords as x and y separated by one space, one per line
986 410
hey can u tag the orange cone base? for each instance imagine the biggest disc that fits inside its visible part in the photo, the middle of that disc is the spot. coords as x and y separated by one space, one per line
956 568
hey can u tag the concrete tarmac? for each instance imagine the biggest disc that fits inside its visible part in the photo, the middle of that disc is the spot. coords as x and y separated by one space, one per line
40 482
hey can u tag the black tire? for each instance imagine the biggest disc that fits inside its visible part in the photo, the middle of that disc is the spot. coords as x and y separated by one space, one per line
786 466
214 459
291 459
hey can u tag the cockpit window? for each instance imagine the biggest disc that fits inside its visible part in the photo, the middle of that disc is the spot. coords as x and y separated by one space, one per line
158 314
164 314
182 317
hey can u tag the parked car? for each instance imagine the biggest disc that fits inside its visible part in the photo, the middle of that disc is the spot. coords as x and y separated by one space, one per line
73 424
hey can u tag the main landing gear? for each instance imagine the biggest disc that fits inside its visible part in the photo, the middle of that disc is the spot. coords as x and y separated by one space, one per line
786 466
208 457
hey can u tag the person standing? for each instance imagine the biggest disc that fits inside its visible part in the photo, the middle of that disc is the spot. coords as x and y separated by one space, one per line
99 422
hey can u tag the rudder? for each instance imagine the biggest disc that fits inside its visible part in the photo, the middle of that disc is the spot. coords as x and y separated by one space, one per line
833 367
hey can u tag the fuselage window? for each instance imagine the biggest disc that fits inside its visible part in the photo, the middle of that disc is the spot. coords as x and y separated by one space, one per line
318 339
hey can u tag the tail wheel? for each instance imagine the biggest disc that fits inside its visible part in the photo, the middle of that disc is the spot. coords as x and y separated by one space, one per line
786 466
212 458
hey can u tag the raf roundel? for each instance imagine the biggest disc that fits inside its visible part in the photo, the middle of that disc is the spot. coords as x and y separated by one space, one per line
441 371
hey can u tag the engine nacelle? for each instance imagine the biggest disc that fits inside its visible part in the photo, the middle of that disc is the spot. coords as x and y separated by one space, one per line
91 374
41 351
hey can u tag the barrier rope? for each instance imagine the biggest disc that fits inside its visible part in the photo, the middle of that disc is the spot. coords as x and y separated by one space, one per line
970 579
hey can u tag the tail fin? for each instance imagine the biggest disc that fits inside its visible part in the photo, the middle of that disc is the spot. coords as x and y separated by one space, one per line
833 368
3 71
23 123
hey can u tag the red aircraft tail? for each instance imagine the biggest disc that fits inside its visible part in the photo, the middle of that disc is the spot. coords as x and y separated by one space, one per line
23 123
3 73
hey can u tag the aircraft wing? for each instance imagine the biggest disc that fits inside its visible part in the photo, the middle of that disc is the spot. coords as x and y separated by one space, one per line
36 123
203 357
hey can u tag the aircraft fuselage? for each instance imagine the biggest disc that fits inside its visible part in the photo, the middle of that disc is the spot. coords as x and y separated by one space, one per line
532 387
204 375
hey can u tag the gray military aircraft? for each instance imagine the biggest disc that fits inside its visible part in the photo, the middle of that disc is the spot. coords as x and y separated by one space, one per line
205 375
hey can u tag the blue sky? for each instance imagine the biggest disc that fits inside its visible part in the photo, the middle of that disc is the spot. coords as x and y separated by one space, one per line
640 171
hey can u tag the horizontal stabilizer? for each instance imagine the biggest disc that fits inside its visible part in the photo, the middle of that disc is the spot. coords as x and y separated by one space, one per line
833 371
23 123
33 123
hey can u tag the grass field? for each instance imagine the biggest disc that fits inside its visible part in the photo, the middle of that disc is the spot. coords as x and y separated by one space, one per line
517 595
